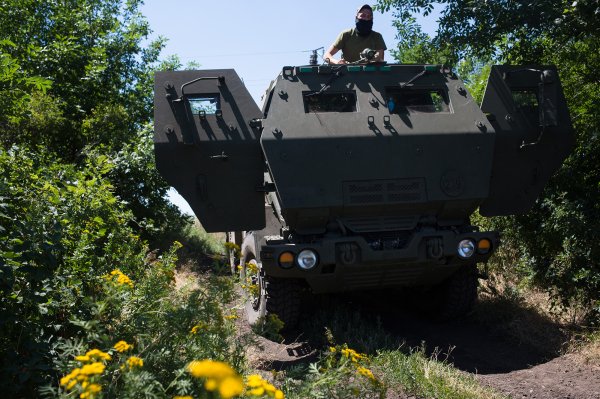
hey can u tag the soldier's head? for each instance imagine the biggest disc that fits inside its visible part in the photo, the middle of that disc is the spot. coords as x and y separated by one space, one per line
365 12
364 20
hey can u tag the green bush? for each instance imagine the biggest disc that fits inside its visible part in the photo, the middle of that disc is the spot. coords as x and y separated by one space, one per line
59 226
75 277
162 332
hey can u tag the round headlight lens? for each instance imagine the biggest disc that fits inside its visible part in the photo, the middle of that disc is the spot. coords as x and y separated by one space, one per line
466 248
307 259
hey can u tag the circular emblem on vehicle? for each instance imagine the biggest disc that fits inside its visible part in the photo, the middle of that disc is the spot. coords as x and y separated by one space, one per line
452 183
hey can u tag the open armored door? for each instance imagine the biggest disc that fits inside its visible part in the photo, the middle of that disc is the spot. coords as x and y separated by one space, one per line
207 146
534 135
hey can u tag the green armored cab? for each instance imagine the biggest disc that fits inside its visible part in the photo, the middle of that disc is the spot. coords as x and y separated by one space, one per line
358 177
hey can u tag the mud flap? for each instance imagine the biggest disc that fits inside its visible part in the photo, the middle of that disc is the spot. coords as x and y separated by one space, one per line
534 135
206 142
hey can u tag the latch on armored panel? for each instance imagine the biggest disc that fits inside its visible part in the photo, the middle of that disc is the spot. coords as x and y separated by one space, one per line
222 156
255 123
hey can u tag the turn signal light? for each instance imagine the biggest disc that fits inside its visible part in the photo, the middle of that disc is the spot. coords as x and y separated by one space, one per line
286 260
484 246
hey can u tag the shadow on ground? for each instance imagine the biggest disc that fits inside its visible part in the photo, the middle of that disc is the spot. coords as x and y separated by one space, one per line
498 337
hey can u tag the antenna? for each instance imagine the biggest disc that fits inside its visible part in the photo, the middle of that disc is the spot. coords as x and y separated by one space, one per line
314 56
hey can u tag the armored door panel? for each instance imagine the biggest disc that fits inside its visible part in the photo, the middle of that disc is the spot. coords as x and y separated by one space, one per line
534 135
207 146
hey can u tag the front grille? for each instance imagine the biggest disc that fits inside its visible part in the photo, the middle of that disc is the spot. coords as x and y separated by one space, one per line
380 223
377 278
366 192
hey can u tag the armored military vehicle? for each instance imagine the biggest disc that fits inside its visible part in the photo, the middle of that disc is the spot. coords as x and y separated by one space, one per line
361 176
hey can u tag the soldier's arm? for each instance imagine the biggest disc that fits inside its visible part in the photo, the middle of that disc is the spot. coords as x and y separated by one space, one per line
328 56
379 55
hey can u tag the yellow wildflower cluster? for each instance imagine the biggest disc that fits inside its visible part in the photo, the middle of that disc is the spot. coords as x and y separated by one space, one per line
353 355
84 374
219 377
134 362
94 354
231 317
183 397
366 372
89 390
232 247
251 268
258 387
198 327
356 360
122 346
122 279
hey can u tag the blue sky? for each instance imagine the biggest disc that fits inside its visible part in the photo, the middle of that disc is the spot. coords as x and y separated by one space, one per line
256 38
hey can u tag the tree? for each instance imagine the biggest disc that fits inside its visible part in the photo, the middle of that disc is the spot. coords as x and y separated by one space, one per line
76 77
92 52
558 236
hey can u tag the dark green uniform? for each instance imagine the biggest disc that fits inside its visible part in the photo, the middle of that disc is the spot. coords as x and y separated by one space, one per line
351 43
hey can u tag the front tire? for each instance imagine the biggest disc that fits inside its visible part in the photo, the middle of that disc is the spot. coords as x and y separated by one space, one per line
458 294
269 295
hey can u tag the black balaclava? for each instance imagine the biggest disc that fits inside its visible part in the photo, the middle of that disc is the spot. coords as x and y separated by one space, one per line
364 27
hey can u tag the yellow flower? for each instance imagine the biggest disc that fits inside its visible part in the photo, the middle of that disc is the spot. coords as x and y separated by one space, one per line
219 376
366 372
260 391
197 328
253 381
231 317
93 388
135 361
332 349
230 387
259 387
87 395
97 354
211 384
91 369
183 397
121 278
122 346
210 369
270 389
71 376
89 390
83 358
353 355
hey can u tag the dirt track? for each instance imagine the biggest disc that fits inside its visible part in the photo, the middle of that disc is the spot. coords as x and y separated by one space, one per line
517 369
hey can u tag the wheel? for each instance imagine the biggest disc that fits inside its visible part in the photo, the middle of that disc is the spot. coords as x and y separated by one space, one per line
458 293
269 295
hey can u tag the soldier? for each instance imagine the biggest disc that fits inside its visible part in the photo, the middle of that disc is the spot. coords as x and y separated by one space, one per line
353 41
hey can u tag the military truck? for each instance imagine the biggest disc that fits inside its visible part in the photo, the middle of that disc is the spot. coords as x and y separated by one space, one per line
358 177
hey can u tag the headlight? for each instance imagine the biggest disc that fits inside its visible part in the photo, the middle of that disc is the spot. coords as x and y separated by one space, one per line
307 259
466 248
